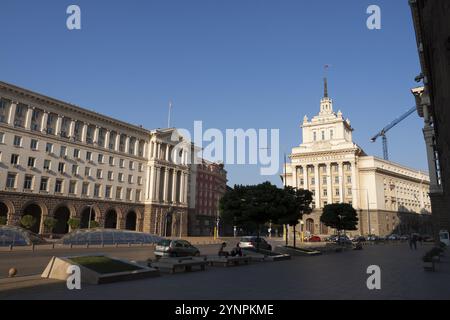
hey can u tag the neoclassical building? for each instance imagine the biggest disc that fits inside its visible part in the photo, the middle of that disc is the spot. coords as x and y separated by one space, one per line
388 197
60 160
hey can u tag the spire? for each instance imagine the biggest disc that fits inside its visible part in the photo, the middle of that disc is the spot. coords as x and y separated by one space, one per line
325 87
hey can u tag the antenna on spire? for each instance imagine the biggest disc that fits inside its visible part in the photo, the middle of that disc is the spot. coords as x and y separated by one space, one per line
325 81
170 112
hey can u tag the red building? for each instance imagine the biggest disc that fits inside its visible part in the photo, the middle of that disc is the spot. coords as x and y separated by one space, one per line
210 181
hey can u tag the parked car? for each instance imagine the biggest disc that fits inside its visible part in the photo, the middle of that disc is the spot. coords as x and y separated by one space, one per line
175 248
314 239
404 238
359 239
331 238
343 239
252 242
427 238
394 237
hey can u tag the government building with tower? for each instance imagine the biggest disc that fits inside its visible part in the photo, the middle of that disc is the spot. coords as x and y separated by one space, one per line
389 197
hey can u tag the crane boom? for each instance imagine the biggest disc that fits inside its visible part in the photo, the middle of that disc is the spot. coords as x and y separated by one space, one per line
383 131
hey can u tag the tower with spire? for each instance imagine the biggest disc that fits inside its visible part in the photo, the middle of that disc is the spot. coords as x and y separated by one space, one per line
326 104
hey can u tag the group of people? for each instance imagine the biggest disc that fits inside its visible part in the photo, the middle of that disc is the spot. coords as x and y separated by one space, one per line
236 252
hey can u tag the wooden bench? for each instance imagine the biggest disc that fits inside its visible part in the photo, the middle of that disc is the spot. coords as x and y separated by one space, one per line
228 261
184 264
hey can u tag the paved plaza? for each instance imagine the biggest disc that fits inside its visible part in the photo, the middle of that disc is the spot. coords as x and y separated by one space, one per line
331 276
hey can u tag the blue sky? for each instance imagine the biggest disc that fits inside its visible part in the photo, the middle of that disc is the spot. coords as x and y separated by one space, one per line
230 63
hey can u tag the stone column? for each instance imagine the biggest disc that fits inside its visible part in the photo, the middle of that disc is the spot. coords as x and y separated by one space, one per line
174 186
341 182
317 186
158 183
136 147
355 191
44 121
127 145
96 133
152 184
72 129
329 184
107 136
185 188
84 132
58 125
305 177
167 152
294 176
166 185
28 118
116 144
12 112
180 196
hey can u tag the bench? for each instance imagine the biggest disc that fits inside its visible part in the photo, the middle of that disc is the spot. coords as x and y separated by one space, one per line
183 264
228 261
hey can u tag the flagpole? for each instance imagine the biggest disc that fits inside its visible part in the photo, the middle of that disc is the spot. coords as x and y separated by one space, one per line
170 113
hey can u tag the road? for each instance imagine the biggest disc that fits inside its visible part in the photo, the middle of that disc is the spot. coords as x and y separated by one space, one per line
332 276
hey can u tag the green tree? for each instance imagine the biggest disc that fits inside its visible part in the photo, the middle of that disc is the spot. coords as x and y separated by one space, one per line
74 223
28 221
296 203
251 207
94 224
3 220
50 223
340 216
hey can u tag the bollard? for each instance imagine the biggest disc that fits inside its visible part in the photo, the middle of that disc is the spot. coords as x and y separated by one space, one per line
53 246
71 245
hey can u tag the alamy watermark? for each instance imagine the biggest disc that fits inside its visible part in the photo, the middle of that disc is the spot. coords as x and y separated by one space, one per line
232 146
374 280
374 20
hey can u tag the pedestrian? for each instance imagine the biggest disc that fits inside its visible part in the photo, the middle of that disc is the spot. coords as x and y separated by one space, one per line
222 252
414 241
236 251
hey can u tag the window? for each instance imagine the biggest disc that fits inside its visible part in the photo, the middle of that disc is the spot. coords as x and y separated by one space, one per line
49 147
315 136
85 189
323 135
110 176
58 186
34 144
336 179
11 181
336 192
88 156
47 164
31 162
2 137
130 178
119 193
122 163
76 153
28 182
15 159
139 181
74 169
72 187
324 180
111 161
325 192
349 191
120 177
97 191
99 174
108 192
61 167
63 151
349 179
44 184
129 194
87 172
138 195
131 165
331 134
100 158
141 167
17 141
313 181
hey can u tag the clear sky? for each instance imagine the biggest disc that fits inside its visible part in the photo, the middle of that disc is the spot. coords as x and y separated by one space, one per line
230 63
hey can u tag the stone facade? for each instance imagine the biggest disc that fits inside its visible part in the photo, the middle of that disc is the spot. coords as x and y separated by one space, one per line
432 26
54 154
337 170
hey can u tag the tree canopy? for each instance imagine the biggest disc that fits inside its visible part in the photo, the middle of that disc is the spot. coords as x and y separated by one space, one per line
340 216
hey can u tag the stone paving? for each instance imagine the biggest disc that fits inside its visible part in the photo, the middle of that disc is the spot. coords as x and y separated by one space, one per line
332 276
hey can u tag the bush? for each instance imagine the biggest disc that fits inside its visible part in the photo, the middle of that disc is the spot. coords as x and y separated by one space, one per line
94 224
74 223
28 221
3 220
50 223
